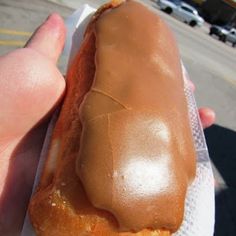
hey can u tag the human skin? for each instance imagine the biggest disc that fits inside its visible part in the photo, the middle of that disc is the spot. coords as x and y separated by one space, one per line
31 87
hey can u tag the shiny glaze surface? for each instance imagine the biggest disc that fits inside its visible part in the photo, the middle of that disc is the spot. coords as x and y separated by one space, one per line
136 155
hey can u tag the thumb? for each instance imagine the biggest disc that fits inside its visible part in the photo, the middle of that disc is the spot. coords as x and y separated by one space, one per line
31 85
49 38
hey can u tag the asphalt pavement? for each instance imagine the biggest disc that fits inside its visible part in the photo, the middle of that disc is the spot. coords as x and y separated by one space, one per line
211 65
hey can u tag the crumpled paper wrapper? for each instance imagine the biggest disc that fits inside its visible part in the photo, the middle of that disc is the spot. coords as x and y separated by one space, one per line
199 205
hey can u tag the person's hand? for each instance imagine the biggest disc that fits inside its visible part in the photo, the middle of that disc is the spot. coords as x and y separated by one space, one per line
30 87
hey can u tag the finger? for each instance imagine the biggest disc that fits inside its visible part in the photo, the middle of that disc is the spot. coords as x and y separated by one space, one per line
207 117
49 38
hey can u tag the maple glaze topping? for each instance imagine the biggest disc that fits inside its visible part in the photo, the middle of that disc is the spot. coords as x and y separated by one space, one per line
137 154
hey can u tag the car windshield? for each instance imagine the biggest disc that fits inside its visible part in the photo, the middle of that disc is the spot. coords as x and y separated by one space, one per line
187 9
227 27
177 2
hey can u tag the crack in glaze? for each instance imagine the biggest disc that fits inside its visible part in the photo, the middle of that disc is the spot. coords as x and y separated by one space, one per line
109 96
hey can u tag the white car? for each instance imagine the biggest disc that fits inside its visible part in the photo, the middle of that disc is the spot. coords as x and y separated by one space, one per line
230 36
181 11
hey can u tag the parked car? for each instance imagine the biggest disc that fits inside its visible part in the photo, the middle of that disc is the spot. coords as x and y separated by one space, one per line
230 37
181 11
224 33
218 30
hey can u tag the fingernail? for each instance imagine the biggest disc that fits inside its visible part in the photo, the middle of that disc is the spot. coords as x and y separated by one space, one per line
53 17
